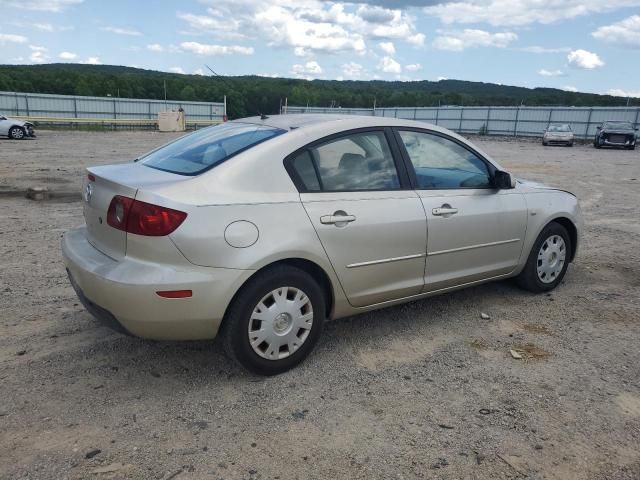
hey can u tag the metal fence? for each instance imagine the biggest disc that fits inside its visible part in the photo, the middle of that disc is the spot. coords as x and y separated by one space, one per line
60 108
515 121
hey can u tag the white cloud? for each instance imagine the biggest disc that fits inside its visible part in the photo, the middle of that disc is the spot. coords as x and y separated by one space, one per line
569 88
439 79
352 70
214 24
550 73
155 47
205 49
92 61
520 12
387 47
417 39
67 56
11 38
459 40
625 32
584 59
38 54
618 92
413 67
176 70
307 26
42 5
44 27
308 70
538 49
122 31
389 65
199 71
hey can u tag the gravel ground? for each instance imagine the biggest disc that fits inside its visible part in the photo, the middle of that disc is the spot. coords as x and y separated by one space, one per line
424 390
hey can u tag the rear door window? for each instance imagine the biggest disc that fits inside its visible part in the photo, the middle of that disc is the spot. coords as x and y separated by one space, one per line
358 161
204 149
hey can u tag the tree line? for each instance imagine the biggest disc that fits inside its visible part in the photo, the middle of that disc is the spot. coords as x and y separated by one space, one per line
250 95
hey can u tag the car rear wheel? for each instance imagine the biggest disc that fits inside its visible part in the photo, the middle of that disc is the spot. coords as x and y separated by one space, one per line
275 320
548 260
16 133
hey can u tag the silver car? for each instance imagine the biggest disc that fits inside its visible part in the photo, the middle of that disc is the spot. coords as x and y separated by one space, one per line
15 129
558 134
260 229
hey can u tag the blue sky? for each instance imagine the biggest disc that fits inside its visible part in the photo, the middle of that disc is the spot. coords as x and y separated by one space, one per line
589 46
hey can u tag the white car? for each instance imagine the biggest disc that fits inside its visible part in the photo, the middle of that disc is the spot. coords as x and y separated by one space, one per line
15 129
261 229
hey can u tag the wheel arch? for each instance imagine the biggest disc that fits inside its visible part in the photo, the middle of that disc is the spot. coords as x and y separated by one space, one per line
308 266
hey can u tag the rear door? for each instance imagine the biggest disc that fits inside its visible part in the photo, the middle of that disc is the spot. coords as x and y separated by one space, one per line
476 232
370 222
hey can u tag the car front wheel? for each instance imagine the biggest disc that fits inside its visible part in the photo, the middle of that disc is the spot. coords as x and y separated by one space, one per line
548 260
16 133
275 320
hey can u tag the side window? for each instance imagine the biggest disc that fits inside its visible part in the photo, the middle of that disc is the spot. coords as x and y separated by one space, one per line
303 166
441 163
360 161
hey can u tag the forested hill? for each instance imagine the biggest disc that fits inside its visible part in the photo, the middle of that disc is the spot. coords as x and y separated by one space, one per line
248 95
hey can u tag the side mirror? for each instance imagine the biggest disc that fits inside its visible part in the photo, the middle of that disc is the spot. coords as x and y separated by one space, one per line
599 127
503 181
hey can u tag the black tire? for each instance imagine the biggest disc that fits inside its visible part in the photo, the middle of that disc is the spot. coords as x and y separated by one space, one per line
528 279
16 133
234 331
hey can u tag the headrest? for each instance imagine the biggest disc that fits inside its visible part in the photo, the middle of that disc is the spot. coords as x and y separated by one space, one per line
350 161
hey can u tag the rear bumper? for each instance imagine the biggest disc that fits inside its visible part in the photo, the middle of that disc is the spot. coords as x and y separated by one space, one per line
122 294
558 141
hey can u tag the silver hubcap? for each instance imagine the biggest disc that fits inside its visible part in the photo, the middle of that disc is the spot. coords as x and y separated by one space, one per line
17 133
551 258
280 323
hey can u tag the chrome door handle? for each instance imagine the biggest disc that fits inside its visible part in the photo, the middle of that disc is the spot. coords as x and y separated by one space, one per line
336 219
444 211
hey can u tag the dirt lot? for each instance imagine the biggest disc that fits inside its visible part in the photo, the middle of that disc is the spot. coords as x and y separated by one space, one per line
425 390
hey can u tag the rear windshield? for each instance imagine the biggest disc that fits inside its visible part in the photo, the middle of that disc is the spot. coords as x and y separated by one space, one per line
204 149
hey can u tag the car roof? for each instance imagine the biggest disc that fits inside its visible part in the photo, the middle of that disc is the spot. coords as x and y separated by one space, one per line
301 120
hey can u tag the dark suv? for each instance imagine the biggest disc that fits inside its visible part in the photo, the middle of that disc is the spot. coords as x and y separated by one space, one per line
616 134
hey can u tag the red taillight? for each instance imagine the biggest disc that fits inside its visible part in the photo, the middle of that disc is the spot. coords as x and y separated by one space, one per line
142 218
91 177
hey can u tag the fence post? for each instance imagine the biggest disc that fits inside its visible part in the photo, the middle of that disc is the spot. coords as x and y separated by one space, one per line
635 122
550 115
26 103
17 104
75 107
415 111
149 109
586 132
460 124
515 127
487 123
437 114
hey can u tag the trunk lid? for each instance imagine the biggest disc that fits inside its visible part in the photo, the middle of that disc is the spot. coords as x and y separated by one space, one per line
99 187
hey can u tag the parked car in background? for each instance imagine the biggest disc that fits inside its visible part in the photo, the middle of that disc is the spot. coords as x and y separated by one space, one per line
15 129
558 134
616 134
260 229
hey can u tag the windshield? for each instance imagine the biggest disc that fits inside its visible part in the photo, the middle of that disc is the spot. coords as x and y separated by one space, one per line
559 128
622 125
204 149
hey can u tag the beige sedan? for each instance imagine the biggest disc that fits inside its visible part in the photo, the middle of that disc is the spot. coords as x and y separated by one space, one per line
261 229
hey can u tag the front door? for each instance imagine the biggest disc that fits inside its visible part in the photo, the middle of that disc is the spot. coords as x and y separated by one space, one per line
475 231
372 227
